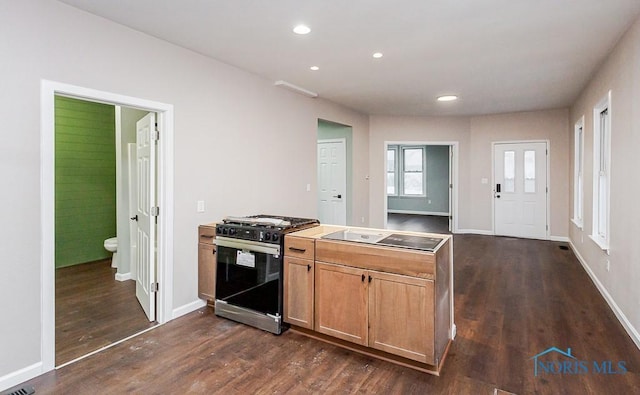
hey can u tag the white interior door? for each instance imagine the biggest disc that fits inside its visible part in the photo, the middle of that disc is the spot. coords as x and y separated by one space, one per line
520 190
133 205
332 182
146 236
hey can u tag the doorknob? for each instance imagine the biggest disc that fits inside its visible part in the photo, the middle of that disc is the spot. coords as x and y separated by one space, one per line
337 196
134 218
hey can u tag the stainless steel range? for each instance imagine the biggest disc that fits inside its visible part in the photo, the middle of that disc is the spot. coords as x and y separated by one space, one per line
249 268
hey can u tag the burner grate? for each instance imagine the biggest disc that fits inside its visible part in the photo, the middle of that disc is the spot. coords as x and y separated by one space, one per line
266 220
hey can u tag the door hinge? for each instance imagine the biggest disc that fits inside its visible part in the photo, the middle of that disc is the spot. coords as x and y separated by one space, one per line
450 186
547 189
155 211
547 227
155 287
155 135
451 217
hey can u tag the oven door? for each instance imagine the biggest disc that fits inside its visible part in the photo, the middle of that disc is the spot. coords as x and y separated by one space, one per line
249 275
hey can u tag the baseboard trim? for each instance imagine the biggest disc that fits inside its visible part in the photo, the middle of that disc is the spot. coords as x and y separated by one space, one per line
123 276
20 376
475 232
188 308
439 214
626 324
563 239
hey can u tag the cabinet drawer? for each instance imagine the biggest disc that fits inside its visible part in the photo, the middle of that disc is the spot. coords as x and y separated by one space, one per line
412 263
206 234
299 247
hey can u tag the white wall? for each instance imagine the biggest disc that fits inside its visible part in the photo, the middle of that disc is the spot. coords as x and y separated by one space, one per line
475 135
552 125
620 74
241 144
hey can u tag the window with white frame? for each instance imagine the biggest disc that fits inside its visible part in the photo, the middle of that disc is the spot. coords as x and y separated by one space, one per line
413 171
601 171
578 173
406 171
392 164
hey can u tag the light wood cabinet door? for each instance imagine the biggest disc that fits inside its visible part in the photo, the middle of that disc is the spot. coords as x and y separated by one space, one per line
298 292
341 302
207 271
401 316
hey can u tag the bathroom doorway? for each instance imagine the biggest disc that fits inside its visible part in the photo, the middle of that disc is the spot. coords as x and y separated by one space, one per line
162 218
95 187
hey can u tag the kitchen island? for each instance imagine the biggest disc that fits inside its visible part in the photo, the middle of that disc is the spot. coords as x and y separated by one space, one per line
387 294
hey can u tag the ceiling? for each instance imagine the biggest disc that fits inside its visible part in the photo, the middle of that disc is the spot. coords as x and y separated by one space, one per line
496 55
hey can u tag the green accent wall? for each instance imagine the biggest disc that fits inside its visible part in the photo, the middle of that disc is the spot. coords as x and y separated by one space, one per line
85 180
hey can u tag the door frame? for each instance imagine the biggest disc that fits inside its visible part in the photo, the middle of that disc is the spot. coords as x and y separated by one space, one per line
343 141
165 119
493 181
453 176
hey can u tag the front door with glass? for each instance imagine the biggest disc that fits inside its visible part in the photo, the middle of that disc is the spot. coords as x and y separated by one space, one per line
520 190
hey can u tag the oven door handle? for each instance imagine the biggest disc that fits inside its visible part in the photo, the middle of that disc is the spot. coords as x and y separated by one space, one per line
248 246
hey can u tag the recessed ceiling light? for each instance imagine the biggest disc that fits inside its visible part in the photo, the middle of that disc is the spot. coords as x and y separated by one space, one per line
447 98
377 55
301 29
314 68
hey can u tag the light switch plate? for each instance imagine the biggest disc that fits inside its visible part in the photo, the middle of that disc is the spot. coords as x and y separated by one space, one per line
200 206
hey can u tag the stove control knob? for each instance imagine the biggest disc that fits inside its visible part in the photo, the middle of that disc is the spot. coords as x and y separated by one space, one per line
218 230
275 237
267 236
232 231
225 231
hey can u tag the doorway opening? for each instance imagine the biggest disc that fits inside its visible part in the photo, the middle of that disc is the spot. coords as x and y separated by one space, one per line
95 186
49 209
334 165
421 186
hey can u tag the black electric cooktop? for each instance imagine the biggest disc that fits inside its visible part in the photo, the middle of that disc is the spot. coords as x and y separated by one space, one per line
414 242
410 241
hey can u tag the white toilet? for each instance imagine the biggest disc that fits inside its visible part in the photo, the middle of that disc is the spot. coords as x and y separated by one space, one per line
111 245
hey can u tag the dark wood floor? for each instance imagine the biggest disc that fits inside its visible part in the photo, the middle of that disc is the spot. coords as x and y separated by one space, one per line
94 310
513 299
418 223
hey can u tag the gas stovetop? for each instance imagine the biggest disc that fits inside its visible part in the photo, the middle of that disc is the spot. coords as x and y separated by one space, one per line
269 221
262 228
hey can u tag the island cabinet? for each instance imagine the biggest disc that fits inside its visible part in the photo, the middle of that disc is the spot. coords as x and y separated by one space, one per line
207 263
387 302
341 302
299 268
401 316
388 312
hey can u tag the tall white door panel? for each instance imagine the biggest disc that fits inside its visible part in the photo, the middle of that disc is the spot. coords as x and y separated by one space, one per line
146 231
332 182
520 190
